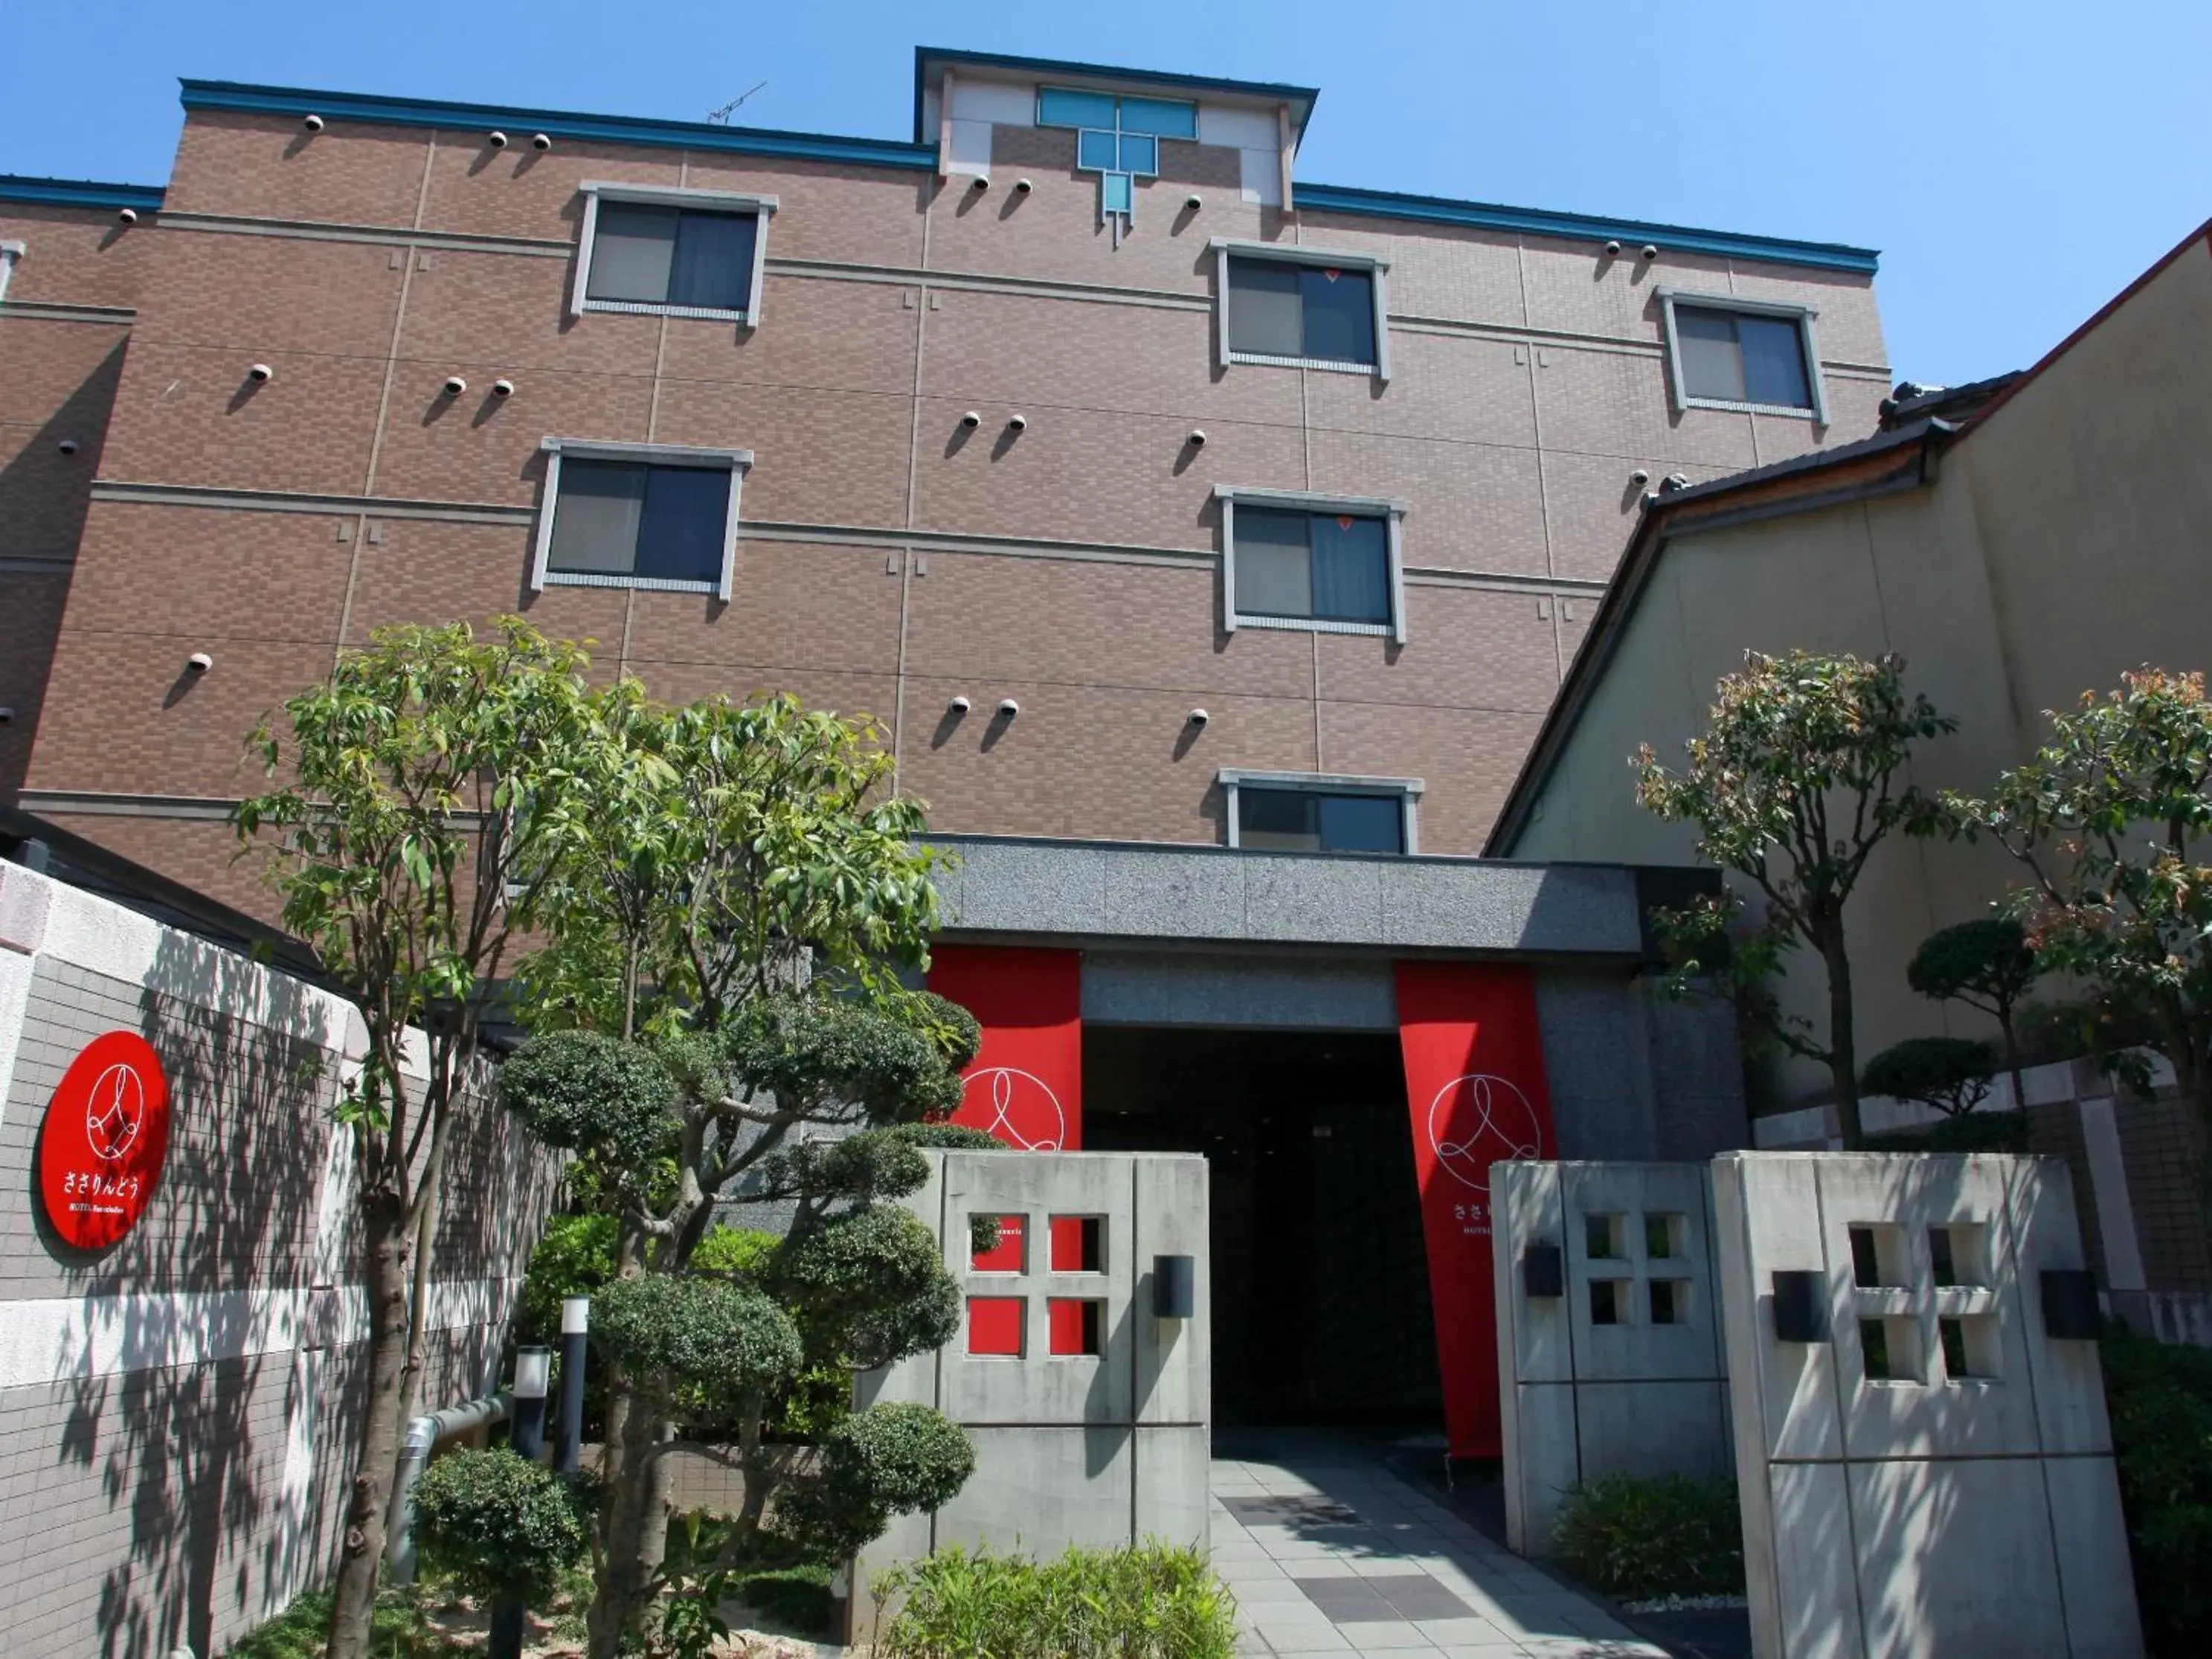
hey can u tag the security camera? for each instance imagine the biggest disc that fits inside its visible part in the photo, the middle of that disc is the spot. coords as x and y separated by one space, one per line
1018 422
1024 186
455 385
502 388
199 662
1198 717
1194 201
1008 709
129 216
1639 477
1650 250
1672 482
980 184
1197 439
1611 248
260 373
957 706
541 141
68 445
313 123
497 140
971 418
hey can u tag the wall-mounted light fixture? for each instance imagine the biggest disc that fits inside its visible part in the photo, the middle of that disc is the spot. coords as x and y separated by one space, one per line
1801 1305
198 663
455 385
496 139
128 216
502 388
67 446
1198 717
1197 439
312 123
1650 250
1174 1287
957 706
1612 249
971 419
1008 709
541 141
1017 423
1022 186
979 184
2070 1310
1194 201
260 374
1543 1271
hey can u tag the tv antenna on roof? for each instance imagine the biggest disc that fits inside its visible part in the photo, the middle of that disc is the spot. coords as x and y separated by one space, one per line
721 117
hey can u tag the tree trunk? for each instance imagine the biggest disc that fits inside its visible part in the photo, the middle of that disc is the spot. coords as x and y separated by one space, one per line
636 1529
383 1226
418 1312
1843 1048
2013 1065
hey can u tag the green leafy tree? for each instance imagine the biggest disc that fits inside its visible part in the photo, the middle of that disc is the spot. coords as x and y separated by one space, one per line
1792 784
2112 822
1951 1074
421 797
1987 964
737 991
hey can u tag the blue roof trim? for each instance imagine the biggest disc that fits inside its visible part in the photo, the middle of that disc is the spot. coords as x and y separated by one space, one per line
559 124
1383 204
1304 97
80 193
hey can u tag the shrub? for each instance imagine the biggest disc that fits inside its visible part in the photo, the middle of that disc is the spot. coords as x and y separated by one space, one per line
1975 1132
2161 1399
1672 1536
503 1526
398 1627
1154 1601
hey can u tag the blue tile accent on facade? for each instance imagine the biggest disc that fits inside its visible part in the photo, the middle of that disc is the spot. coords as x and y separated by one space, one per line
558 123
80 193
1388 204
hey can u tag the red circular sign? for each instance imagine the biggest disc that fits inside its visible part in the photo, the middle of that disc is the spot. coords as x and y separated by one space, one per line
105 1134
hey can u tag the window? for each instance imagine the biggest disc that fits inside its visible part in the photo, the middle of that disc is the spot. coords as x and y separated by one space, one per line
683 252
1731 354
1324 564
9 253
1303 812
639 515
1117 138
1304 306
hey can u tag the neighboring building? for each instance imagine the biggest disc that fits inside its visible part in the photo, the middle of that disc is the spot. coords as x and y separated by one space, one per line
1144 495
2019 543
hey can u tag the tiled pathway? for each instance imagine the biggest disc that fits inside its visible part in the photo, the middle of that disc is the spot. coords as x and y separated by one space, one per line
1330 1553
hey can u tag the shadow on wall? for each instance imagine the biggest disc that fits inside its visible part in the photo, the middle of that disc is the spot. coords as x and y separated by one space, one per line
206 1457
43 494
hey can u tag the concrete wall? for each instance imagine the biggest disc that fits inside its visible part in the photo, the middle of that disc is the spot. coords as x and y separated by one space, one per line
1943 1508
886 563
2060 545
1100 1450
1610 1378
177 1415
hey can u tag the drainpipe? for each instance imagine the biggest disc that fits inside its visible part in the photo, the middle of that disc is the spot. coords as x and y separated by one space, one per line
431 1429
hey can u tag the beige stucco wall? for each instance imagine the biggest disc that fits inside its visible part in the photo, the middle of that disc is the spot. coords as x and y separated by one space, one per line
2067 539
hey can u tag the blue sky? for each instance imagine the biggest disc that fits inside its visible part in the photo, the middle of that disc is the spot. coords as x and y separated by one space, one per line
2016 163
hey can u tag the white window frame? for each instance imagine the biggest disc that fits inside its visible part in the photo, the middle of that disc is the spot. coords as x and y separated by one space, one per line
597 191
9 253
1407 791
1806 342
1393 514
1295 253
735 462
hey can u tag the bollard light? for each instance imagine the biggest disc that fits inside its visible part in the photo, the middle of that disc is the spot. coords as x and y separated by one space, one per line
568 1422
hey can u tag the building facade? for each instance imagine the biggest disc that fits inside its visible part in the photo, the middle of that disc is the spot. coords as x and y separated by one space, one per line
1209 546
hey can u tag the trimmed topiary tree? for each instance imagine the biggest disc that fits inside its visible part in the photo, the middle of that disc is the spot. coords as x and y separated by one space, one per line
504 1527
1987 964
1952 1074
715 1053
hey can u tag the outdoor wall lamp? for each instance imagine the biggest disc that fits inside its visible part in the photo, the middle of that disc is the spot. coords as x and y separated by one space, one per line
957 706
1174 1286
1650 250
1008 709
502 388
1611 249
1022 186
260 374
1018 422
1801 1306
2070 1312
129 216
497 140
455 385
1543 1272
972 418
313 123
541 141
199 662
1198 717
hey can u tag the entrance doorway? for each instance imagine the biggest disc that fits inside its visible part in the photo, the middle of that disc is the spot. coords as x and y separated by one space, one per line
1319 1278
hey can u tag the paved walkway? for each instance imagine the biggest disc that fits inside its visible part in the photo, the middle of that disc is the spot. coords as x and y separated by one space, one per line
1330 1553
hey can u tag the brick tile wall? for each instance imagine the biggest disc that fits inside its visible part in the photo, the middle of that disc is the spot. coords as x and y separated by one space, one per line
30 618
1511 453
2165 1164
74 256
